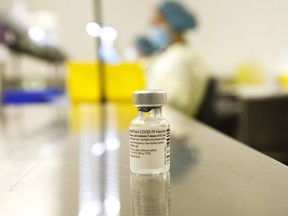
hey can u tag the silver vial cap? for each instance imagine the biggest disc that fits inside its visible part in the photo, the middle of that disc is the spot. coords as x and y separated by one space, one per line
149 98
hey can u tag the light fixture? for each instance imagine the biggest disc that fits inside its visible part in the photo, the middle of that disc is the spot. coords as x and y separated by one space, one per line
108 34
93 29
37 34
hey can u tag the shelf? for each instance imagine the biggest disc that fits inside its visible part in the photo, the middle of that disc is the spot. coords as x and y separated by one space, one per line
16 39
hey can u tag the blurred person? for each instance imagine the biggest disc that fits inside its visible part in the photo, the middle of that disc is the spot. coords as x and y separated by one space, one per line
144 46
140 47
145 52
177 69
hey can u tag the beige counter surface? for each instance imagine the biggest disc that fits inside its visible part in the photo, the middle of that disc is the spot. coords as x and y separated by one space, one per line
63 168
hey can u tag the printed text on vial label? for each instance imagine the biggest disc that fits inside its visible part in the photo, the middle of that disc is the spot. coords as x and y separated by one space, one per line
150 142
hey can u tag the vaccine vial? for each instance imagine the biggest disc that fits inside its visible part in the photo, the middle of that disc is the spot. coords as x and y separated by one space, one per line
149 134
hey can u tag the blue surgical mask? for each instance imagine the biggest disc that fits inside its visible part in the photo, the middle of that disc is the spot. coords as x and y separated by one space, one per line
160 37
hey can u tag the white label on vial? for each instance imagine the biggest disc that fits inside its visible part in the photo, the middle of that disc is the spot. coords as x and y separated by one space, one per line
149 147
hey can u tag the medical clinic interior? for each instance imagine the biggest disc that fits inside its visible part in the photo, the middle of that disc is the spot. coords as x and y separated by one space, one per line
143 108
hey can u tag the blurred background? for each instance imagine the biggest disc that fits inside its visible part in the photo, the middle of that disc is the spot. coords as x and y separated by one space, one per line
57 55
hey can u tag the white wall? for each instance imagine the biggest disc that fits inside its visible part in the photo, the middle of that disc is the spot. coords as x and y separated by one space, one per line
129 17
230 31
237 31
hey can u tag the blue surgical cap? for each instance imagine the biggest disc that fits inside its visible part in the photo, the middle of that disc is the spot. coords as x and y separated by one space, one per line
144 45
179 18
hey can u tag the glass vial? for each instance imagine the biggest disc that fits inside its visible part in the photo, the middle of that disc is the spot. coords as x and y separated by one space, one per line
149 134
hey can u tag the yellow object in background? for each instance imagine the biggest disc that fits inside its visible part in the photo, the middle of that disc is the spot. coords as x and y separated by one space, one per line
251 73
120 81
283 81
82 82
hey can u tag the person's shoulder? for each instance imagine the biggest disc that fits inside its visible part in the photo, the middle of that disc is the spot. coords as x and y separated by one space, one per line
177 48
175 53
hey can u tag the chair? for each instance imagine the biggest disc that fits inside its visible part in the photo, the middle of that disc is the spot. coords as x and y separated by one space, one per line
210 114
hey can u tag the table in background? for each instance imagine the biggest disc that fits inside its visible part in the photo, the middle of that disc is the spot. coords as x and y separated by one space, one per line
261 117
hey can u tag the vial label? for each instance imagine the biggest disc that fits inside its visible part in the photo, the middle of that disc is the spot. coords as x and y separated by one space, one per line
149 147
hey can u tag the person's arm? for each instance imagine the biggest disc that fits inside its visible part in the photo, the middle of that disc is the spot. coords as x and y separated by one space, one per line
185 84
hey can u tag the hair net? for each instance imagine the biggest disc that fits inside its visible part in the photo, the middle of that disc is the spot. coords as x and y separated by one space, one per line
144 45
179 18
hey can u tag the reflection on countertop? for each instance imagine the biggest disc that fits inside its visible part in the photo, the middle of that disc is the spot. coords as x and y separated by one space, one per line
150 195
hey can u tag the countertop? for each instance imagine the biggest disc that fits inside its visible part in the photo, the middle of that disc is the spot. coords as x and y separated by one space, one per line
59 162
